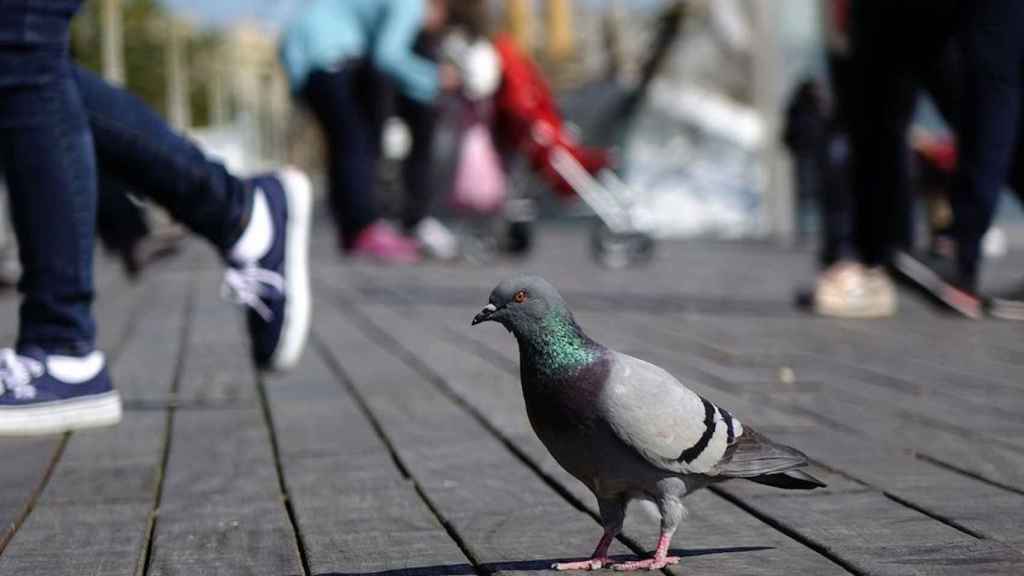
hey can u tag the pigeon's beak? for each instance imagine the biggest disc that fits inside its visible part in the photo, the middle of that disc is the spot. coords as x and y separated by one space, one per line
485 314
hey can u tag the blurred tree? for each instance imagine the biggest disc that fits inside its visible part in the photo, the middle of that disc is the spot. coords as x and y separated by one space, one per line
145 25
143 47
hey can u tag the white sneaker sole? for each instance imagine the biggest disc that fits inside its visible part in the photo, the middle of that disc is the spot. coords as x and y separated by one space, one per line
62 416
298 306
866 312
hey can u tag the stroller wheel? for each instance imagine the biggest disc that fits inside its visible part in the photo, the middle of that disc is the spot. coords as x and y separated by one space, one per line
617 251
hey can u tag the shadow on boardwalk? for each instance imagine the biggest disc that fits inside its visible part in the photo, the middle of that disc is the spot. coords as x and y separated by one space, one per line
532 565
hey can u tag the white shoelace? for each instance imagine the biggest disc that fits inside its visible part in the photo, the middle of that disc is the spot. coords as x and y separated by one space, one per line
246 285
17 373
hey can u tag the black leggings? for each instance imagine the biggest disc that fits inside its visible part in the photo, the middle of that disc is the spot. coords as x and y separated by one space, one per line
351 104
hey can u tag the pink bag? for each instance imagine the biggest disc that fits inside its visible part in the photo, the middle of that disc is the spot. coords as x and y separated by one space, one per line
479 177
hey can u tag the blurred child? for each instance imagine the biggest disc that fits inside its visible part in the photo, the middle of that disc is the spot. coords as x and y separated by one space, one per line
338 55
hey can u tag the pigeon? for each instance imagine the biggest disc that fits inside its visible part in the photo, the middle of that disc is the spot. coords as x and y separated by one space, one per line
623 427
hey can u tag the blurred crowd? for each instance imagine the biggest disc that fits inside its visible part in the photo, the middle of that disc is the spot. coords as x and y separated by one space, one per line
360 63
856 155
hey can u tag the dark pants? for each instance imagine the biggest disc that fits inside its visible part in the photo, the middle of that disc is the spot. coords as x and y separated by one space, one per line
55 121
894 51
120 223
351 104
834 201
993 51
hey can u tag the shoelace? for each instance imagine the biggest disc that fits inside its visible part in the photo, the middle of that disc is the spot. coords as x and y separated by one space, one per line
247 285
17 373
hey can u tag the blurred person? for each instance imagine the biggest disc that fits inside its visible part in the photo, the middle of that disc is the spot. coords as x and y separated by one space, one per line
988 136
811 138
478 179
893 54
339 56
57 123
982 102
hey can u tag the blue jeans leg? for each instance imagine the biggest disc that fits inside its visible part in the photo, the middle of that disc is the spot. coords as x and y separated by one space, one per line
47 150
137 147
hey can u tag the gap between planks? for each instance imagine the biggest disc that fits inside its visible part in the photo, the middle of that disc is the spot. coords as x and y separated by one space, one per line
343 378
186 329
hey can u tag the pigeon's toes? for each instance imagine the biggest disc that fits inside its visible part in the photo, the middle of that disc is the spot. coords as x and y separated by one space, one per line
590 564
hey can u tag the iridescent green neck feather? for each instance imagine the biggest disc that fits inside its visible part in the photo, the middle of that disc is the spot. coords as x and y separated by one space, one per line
557 345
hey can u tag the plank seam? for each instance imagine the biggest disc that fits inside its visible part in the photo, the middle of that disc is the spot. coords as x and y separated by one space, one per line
970 474
146 557
275 450
34 497
794 534
935 516
364 407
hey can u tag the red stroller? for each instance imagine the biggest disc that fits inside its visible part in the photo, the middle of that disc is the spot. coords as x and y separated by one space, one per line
528 122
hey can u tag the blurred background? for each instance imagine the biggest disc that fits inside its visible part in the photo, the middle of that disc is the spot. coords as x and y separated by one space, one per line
702 153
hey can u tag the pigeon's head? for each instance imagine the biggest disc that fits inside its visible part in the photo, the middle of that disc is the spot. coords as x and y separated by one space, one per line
522 302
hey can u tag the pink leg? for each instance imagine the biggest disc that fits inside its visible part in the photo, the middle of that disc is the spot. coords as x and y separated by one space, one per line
660 560
599 559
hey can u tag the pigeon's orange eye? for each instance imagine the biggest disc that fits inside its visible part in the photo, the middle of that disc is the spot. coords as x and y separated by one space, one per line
520 297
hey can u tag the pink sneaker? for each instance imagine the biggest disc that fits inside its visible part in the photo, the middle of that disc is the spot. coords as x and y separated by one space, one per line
382 243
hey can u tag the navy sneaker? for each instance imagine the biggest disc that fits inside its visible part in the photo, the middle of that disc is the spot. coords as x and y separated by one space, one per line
276 288
42 394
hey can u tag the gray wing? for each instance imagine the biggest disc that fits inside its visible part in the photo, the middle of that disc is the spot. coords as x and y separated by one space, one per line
665 422
754 455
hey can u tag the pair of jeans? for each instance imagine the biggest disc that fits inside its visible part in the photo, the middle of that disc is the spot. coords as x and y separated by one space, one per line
57 122
351 104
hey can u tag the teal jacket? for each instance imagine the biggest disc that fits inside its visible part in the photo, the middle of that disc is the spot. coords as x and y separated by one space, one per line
327 32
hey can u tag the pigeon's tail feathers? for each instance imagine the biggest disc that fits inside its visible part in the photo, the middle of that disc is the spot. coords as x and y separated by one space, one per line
789 480
753 455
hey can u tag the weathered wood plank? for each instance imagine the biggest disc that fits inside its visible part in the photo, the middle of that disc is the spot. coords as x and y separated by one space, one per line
100 498
479 383
26 461
221 510
880 464
876 537
357 513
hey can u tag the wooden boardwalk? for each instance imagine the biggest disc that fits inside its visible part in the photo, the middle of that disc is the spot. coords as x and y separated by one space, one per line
401 446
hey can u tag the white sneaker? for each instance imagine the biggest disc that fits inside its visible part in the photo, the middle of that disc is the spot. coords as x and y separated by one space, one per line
436 239
848 290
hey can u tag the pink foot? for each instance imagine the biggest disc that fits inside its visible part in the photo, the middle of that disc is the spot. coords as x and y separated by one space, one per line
590 564
649 564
